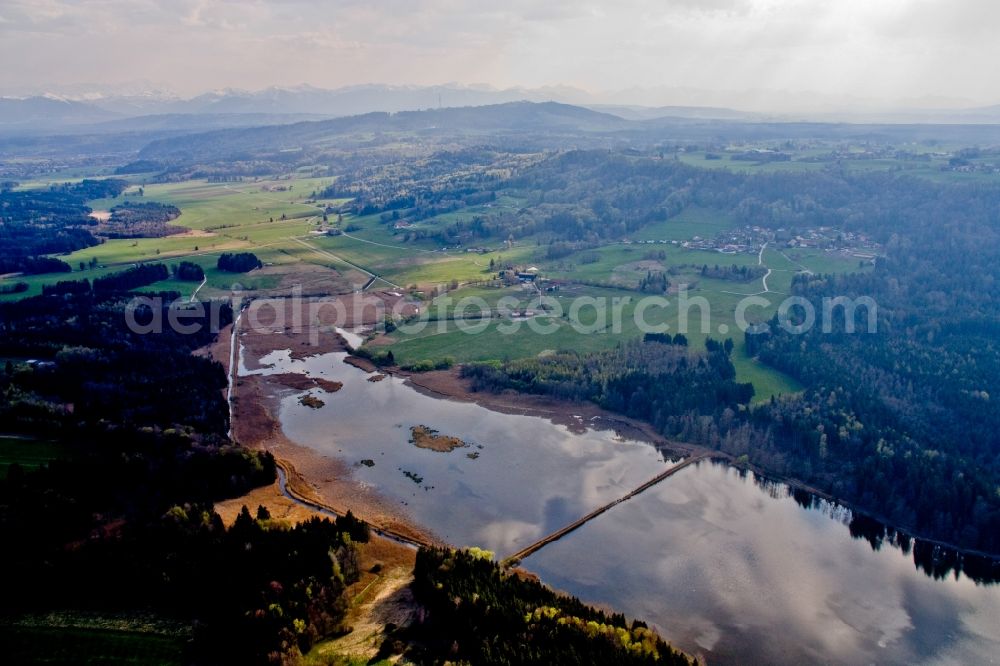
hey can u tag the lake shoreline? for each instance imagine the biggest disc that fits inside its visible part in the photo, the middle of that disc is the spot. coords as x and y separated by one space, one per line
325 480
333 476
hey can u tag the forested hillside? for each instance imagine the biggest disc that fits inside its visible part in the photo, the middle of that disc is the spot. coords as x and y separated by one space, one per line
480 614
594 195
121 517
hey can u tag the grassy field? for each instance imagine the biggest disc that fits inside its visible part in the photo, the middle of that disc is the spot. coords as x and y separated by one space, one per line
278 220
71 646
690 223
26 452
442 338
219 217
279 226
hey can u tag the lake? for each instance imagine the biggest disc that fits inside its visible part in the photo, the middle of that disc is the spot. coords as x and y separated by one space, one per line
723 563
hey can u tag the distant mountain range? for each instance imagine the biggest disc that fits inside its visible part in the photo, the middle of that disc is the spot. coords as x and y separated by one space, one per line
42 111
549 118
54 112
119 111
538 125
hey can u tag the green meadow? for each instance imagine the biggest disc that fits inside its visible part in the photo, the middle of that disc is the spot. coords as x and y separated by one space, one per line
602 271
709 312
689 223
26 452
280 222
74 646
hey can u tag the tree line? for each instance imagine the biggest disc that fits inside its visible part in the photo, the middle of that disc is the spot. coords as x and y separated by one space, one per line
239 262
478 613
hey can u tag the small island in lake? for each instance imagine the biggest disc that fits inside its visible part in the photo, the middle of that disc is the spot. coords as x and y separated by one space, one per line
311 401
302 382
424 437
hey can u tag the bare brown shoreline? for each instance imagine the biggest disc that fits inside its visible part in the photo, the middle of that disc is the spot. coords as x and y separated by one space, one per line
326 481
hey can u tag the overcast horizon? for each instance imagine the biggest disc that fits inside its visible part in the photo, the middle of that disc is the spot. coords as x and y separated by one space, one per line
897 53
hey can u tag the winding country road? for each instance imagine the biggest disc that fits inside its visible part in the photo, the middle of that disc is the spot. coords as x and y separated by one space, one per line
233 367
760 262
291 494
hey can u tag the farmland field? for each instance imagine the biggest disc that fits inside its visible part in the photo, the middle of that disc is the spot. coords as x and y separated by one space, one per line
26 452
281 222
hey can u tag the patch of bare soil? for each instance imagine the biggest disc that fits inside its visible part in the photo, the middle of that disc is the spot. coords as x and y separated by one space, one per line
307 325
194 233
427 438
218 350
381 340
377 377
286 323
381 599
303 280
361 363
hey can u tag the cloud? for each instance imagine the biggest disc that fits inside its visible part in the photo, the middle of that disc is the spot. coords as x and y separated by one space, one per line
888 49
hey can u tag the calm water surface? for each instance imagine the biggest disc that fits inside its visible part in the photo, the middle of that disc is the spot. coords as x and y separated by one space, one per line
725 565
518 479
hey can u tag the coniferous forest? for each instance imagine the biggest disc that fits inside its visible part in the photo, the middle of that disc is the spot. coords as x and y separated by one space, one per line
481 614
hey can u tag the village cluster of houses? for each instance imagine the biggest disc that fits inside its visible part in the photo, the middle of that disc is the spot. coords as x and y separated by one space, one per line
963 166
750 239
826 238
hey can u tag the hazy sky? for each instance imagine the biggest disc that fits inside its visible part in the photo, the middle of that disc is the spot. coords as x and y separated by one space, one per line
879 49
